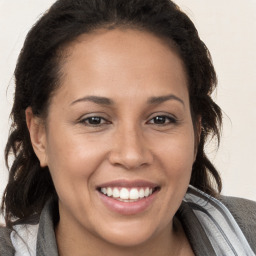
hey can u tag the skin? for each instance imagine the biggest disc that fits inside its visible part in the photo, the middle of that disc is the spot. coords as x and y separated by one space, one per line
128 67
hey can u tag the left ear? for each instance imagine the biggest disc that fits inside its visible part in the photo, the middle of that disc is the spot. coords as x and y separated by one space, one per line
198 130
37 133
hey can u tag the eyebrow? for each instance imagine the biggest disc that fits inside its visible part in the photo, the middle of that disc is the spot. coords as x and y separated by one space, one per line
106 101
161 99
95 99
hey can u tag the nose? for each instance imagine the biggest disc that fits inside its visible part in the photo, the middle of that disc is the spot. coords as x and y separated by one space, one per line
130 149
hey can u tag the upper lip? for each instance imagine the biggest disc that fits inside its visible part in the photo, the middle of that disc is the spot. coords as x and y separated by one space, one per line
128 184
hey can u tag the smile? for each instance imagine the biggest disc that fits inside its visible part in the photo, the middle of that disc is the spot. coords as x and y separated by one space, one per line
128 197
126 194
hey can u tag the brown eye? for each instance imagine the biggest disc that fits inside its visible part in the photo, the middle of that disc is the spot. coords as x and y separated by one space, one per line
94 121
162 120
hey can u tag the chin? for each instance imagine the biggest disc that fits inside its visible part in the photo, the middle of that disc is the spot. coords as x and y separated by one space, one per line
129 234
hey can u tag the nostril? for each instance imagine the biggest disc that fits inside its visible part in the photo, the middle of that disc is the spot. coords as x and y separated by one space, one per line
130 159
129 149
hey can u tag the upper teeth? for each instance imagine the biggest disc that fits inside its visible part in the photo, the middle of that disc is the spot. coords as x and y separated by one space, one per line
127 193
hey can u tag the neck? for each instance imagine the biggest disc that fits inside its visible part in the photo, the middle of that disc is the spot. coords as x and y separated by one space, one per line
72 241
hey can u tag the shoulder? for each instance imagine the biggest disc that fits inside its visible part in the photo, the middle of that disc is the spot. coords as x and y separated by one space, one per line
20 239
6 247
244 212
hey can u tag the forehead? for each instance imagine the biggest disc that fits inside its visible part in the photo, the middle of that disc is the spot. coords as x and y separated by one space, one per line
106 60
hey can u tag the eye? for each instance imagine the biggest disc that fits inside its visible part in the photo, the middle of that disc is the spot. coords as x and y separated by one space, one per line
94 121
162 120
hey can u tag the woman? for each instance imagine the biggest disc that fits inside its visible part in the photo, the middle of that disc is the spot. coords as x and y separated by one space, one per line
111 113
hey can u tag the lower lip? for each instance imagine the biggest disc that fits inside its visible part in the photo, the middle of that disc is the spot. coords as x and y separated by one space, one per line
128 208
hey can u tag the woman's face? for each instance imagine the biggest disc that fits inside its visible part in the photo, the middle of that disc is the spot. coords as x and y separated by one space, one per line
119 139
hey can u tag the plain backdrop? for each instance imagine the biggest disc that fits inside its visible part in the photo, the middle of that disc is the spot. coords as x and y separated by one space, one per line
229 30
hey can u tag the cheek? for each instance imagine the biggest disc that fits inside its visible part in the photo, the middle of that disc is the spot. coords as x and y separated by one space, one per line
177 153
177 160
72 160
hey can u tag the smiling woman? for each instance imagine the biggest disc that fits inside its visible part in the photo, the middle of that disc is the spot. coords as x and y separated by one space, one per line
111 113
95 145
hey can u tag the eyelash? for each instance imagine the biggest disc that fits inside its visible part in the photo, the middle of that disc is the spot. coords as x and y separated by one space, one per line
99 119
86 121
171 120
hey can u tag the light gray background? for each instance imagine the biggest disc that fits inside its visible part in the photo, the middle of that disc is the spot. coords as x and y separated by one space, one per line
229 30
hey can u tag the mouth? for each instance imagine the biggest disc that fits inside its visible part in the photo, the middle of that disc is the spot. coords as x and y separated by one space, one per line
128 197
128 194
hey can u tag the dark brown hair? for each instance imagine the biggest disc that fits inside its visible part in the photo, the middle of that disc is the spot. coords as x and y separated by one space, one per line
38 71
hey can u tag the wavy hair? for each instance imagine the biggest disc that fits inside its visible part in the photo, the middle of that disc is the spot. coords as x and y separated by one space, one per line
37 76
